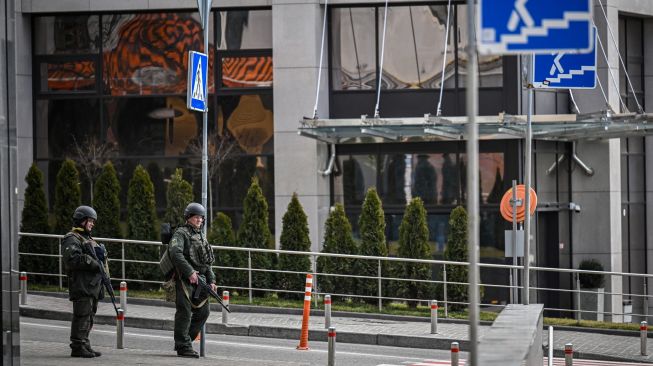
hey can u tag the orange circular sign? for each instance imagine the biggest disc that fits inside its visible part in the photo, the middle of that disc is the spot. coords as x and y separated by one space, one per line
506 205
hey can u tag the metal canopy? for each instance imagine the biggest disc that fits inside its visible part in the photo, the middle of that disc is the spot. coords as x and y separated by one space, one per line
555 127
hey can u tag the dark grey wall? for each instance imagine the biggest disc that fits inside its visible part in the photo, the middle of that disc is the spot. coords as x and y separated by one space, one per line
8 186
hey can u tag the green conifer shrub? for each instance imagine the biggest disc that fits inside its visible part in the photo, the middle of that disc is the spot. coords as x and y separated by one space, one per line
457 251
413 243
106 202
178 195
222 233
142 224
254 232
338 238
34 219
67 196
371 225
294 236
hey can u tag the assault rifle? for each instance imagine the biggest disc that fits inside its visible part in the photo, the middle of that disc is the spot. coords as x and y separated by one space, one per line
202 285
106 282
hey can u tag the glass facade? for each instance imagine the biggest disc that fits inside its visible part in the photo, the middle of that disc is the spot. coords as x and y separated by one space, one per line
120 80
435 172
413 56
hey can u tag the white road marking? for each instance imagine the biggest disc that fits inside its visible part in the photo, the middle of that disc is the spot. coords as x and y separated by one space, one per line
248 345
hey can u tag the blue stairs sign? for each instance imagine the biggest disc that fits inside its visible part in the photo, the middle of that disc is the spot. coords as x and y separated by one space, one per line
534 26
565 70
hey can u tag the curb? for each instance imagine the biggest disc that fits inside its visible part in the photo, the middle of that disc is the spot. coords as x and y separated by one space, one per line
319 335
273 310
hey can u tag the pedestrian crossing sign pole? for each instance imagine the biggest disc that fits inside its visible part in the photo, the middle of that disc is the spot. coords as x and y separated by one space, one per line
196 95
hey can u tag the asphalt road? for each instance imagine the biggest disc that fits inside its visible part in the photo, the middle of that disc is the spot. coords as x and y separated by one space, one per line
45 342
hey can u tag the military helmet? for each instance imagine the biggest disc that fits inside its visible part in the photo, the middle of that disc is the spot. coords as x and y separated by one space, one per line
82 213
194 208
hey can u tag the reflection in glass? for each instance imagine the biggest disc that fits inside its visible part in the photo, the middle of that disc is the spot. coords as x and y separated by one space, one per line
353 49
148 53
414 46
249 119
491 171
393 180
358 174
450 181
67 76
244 29
425 180
490 68
60 122
57 35
247 72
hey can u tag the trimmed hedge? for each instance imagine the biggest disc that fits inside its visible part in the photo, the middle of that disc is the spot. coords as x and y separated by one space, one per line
67 196
254 232
371 224
142 224
338 238
294 236
34 219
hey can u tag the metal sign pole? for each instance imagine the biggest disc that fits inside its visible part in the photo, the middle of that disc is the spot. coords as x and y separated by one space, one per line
527 186
514 291
205 14
472 181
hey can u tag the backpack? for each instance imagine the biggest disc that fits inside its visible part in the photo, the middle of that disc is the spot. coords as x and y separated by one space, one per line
165 262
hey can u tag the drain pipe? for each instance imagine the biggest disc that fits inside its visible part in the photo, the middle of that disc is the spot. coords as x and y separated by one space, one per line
586 169
332 159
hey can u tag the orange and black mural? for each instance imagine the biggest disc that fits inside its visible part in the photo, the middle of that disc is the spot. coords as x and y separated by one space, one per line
147 54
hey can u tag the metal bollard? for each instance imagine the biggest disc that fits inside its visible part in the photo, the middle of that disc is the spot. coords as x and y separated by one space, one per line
454 353
550 348
225 300
569 354
23 288
327 311
120 328
434 316
643 335
123 296
331 361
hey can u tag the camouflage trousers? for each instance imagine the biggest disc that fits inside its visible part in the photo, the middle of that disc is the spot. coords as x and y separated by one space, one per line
84 310
188 319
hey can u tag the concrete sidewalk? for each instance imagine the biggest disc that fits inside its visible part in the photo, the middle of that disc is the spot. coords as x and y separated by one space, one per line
362 328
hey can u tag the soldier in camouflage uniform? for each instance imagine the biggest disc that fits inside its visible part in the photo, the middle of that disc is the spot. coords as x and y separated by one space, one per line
84 278
192 256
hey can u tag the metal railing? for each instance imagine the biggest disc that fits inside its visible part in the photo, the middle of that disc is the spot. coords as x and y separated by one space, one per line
380 277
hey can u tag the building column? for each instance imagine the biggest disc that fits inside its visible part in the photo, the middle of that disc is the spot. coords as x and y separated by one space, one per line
597 228
10 25
297 32
648 158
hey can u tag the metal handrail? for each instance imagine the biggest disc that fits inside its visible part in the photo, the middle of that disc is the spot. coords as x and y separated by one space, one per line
314 255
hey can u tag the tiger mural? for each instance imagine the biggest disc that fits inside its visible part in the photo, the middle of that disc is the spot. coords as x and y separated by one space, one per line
247 72
148 54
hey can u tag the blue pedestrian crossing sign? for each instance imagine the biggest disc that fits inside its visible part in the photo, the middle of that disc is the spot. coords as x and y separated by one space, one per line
534 26
196 95
565 70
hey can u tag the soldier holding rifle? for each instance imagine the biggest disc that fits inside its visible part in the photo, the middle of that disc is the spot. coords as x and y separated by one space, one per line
192 257
86 266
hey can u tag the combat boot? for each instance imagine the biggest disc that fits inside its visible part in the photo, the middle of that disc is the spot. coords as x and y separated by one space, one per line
82 352
94 352
187 352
